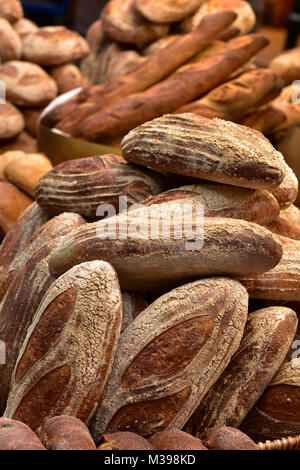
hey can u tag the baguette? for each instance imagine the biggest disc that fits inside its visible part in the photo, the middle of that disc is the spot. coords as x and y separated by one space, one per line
156 68
170 94
285 228
15 435
66 433
167 11
67 356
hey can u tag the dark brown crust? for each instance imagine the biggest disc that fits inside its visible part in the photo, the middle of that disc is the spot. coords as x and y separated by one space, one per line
174 439
66 433
15 435
227 438
124 441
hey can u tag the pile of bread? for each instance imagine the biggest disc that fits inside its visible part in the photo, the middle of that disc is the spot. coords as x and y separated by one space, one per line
36 66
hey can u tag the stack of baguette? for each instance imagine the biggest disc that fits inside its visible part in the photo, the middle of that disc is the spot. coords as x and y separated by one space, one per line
36 65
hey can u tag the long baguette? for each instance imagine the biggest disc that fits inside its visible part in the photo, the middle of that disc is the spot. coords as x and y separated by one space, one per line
156 68
188 83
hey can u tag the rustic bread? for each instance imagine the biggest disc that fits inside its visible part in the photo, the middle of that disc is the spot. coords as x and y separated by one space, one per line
292 214
10 42
54 45
159 44
11 10
68 77
13 203
276 414
27 84
122 63
7 157
286 193
156 68
124 441
26 172
287 65
215 150
15 435
285 228
122 22
167 11
24 26
160 375
174 439
267 338
66 433
23 142
11 121
165 245
168 95
84 184
227 438
49 378
32 118
108 51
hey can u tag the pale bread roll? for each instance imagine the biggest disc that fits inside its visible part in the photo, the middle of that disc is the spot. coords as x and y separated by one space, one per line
287 65
11 121
10 42
25 26
11 10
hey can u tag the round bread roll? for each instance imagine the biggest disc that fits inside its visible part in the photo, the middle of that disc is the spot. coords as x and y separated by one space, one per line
24 142
122 22
11 121
32 116
68 77
27 84
11 10
10 42
287 65
13 203
54 45
286 193
167 11
25 26
245 15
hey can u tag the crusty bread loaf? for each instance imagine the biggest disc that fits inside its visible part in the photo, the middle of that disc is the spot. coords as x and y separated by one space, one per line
167 11
84 184
24 26
160 374
68 77
227 438
10 42
168 95
66 433
54 45
122 22
292 214
267 338
15 435
287 65
165 245
174 439
67 356
23 142
286 193
27 84
32 117
13 203
124 441
285 228
248 161
156 68
11 121
11 10
159 44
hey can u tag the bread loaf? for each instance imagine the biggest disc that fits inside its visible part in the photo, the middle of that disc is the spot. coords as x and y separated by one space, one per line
15 435
11 10
122 63
283 281
26 172
32 117
227 438
286 65
124 441
13 203
84 184
11 121
267 338
24 26
67 356
95 35
68 77
6 158
23 142
174 439
27 84
159 44
66 433
122 22
165 245
21 302
170 355
286 193
285 228
10 42
167 11
168 95
292 214
276 414
156 68
54 45
215 150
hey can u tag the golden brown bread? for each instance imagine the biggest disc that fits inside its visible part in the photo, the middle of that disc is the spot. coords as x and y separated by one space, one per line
13 203
170 355
84 184
168 95
15 435
23 142
153 70
95 35
165 245
284 227
215 150
122 63
32 117
26 172
67 356
68 77
227 438
122 22
11 10
11 121
267 338
124 441
24 26
27 84
10 42
174 439
159 44
66 433
7 157
286 65
276 414
286 193
167 11
292 214
54 45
